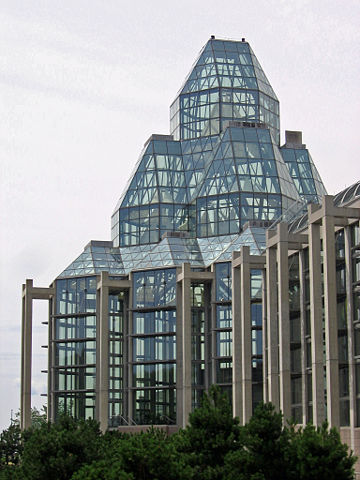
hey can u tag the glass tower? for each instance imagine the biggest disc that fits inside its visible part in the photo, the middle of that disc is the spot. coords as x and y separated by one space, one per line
140 326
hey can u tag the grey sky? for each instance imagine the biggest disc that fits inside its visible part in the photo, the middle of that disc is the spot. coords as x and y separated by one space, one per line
83 84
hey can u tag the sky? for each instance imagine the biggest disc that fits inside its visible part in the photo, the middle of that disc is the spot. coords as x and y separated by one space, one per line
83 84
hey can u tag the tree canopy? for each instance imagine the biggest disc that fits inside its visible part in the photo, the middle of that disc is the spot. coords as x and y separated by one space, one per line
212 447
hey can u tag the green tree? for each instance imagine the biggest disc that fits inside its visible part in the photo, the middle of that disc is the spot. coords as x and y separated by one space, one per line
271 451
212 433
10 445
57 450
318 454
147 455
264 451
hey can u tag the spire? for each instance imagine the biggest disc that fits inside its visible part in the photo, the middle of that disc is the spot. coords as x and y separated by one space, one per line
225 83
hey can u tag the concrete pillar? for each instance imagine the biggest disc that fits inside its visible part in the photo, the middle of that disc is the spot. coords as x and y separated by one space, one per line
126 357
207 334
237 342
304 396
284 322
186 343
28 294
350 333
264 329
318 397
26 354
179 342
331 327
213 332
245 283
51 362
102 368
272 329
129 365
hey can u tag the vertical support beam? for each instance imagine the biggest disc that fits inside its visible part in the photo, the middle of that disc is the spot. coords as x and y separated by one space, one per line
179 342
331 327
245 293
26 354
317 365
126 358
207 334
272 329
213 321
284 323
186 342
264 329
51 358
350 333
304 396
129 341
102 367
237 341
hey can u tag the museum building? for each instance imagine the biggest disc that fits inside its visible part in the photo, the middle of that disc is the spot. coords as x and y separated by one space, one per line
229 264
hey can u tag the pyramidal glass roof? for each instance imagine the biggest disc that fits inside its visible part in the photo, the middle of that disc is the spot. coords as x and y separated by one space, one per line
224 63
225 83
199 193
97 256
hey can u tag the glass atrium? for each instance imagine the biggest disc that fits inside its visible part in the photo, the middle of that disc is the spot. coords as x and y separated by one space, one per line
215 184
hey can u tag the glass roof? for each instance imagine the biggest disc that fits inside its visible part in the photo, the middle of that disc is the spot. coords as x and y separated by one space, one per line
340 199
195 195
225 83
304 173
96 257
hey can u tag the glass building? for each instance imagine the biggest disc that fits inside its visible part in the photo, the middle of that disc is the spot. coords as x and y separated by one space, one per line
228 263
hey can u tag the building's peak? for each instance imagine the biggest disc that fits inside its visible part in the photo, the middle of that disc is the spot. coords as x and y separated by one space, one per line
226 83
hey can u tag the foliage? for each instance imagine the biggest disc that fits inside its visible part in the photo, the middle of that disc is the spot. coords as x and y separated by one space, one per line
10 445
212 447
143 456
265 449
212 433
57 450
272 451
317 454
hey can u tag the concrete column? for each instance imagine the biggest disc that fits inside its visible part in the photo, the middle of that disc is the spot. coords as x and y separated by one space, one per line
331 327
179 342
26 354
245 283
303 336
213 332
129 364
186 342
126 357
102 368
318 397
350 333
265 347
207 334
284 323
237 342
51 362
272 329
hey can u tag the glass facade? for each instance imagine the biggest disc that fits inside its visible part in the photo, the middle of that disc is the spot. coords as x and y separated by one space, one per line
154 347
74 346
218 183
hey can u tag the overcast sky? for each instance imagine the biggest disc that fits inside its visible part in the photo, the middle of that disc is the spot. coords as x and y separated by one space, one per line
83 84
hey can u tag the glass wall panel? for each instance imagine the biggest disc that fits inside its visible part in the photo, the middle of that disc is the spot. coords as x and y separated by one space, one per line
155 406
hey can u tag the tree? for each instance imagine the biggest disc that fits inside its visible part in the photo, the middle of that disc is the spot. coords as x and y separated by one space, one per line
10 446
212 433
271 451
147 455
57 450
318 454
264 451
